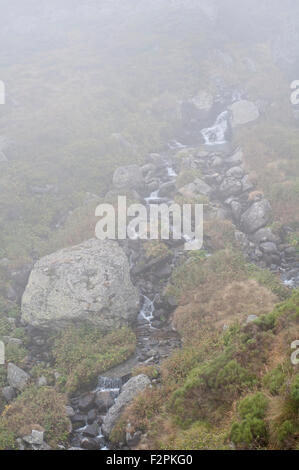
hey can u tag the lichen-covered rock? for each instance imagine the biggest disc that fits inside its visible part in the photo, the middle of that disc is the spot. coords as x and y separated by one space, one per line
87 283
16 377
257 216
134 386
243 112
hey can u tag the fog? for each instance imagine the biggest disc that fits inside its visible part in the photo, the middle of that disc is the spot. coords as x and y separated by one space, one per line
112 108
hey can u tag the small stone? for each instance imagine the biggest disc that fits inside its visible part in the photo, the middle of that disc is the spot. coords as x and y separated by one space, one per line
92 430
251 319
42 381
69 411
9 394
35 438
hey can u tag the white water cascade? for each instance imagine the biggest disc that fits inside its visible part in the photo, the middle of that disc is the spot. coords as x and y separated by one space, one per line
216 135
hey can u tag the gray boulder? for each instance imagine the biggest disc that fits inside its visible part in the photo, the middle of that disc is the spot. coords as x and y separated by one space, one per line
230 187
8 393
128 177
269 248
104 400
87 283
196 189
264 235
134 386
235 172
257 216
17 378
243 112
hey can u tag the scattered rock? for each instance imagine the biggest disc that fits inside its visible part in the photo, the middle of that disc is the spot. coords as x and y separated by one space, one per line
69 411
92 430
243 112
17 378
230 186
257 216
86 401
35 438
134 386
42 381
235 172
251 319
8 394
104 400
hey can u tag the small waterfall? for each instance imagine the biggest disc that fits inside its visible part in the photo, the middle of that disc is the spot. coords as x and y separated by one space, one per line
216 135
147 310
109 383
171 173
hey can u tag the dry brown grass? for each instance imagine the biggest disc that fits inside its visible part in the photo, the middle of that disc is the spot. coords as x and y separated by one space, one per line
225 305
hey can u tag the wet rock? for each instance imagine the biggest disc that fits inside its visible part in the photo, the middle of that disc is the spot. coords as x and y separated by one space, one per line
90 443
86 401
104 400
92 430
78 421
257 216
91 416
134 386
17 377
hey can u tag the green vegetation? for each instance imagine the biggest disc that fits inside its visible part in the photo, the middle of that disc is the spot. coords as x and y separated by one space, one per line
225 384
82 354
35 408
252 429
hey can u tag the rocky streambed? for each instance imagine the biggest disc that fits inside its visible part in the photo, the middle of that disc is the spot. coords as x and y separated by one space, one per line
233 197
124 273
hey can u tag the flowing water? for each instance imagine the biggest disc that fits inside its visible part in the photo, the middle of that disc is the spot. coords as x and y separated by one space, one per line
216 135
145 331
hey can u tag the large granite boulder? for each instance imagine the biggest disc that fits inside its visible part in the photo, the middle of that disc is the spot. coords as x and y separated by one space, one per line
87 283
257 216
243 112
134 386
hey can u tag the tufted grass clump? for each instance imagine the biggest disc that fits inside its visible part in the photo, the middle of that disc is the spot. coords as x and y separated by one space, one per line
35 408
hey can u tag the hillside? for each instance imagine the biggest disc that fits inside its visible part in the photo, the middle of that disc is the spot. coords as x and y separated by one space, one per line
190 101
